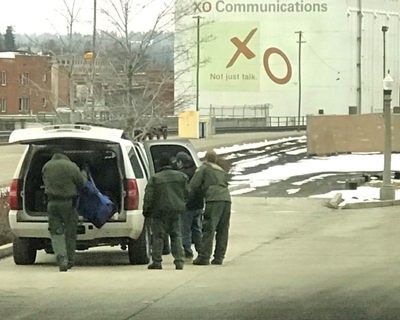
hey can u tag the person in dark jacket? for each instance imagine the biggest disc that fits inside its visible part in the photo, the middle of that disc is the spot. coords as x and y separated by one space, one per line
165 198
62 180
212 181
192 216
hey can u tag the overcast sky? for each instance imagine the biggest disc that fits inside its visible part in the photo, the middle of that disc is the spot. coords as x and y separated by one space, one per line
40 16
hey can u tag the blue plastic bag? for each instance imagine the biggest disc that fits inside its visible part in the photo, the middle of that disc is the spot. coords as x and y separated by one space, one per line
95 206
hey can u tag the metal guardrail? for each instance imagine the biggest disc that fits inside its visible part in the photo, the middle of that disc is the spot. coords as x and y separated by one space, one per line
259 129
286 121
240 111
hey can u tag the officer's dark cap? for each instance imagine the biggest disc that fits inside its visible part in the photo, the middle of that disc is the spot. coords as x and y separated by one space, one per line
183 156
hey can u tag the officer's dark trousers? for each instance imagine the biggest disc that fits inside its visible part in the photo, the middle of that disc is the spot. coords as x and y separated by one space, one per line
63 222
168 225
191 230
217 215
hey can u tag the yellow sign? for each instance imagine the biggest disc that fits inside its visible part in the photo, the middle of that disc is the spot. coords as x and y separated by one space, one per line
88 56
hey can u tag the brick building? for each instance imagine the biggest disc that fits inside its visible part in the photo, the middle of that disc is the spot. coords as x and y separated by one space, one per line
30 84
25 83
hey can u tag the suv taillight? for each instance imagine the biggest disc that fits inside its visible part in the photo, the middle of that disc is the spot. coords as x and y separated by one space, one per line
133 195
13 200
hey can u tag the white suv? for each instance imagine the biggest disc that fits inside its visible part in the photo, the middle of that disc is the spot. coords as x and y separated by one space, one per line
120 169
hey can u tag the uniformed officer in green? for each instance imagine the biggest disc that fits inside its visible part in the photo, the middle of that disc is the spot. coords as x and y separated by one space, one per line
211 181
164 202
62 179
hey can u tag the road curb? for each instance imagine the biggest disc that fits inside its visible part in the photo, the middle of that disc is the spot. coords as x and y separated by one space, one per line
6 250
371 204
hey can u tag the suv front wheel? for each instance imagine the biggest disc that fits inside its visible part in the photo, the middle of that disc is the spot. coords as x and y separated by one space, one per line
24 251
139 250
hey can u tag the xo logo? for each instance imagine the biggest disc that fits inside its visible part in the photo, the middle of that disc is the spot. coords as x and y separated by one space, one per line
243 49
202 7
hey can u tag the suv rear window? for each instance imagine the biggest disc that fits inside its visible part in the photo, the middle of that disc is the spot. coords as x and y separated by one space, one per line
137 169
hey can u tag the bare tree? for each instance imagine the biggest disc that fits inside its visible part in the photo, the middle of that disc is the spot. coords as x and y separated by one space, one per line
137 95
131 88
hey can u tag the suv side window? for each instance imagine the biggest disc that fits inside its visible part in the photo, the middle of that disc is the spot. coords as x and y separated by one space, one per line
142 161
156 151
137 169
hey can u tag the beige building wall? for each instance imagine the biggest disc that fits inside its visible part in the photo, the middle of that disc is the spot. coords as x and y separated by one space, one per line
350 133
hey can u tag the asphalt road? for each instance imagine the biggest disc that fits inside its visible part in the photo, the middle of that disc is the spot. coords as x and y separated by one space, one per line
287 259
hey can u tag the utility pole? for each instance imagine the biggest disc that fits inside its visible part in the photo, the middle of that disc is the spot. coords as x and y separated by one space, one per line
299 110
94 55
384 30
359 56
94 26
198 62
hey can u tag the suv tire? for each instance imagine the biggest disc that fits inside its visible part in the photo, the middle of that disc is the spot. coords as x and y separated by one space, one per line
139 250
24 251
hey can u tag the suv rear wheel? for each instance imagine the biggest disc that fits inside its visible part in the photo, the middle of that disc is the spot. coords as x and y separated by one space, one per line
24 251
139 250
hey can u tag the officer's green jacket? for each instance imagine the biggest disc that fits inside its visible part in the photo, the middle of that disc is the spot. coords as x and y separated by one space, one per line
62 177
211 181
166 192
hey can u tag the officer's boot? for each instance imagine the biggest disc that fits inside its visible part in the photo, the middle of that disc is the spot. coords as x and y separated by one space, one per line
71 245
60 250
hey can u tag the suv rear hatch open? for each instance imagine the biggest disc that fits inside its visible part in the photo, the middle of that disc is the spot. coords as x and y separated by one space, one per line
95 148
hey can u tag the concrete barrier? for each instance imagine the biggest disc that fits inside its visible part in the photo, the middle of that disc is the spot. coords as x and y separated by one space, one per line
330 134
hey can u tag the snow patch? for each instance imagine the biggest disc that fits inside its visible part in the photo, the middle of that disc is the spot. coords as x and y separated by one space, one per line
292 191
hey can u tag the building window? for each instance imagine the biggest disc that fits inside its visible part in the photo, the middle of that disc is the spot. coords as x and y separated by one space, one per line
44 103
3 78
3 105
23 104
44 77
24 79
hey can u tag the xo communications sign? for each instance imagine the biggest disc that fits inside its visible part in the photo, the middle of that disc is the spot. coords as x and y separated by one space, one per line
266 7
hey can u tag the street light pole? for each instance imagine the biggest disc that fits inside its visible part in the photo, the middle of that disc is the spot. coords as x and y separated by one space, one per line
387 191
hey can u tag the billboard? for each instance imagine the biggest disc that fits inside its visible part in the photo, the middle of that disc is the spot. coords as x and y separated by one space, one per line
257 52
